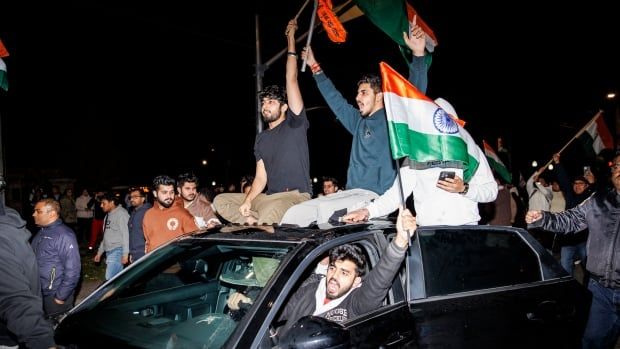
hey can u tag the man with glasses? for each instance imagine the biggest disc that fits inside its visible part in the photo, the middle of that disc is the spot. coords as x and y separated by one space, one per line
137 199
600 213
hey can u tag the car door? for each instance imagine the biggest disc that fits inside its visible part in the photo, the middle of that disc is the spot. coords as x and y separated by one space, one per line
491 287
386 326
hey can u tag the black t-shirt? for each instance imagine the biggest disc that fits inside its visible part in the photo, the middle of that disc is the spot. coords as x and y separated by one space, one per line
284 151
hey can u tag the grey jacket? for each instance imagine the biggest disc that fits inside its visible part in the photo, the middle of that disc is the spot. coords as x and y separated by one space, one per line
601 214
115 231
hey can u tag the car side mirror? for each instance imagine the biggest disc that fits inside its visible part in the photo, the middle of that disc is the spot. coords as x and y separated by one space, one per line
312 332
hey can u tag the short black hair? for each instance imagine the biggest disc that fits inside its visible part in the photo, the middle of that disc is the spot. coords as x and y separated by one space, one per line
331 179
373 80
139 190
163 180
352 253
111 197
273 92
185 178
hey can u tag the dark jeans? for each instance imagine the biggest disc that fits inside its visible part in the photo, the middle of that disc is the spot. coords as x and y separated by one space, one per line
603 325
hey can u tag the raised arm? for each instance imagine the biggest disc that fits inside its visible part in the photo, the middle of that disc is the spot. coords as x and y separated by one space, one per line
418 69
293 94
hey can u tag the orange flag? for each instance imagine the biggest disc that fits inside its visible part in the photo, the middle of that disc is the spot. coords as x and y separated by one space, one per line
3 51
331 24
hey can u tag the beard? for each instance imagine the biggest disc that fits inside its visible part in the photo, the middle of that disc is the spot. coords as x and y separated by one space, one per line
338 291
167 204
268 116
189 197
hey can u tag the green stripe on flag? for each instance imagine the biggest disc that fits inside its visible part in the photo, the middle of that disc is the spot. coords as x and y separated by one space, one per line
501 170
423 147
4 82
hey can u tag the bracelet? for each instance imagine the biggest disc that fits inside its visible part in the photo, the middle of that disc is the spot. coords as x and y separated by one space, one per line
466 189
315 68
289 53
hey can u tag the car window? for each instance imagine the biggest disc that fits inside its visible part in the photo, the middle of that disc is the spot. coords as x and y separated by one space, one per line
177 297
458 260
316 273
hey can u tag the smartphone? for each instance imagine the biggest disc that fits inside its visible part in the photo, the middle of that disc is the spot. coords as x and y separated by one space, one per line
586 169
446 174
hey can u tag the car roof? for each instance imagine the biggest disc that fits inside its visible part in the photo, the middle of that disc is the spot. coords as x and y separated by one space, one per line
277 233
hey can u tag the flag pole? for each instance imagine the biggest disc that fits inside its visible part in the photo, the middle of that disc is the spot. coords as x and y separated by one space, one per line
583 129
312 20
301 9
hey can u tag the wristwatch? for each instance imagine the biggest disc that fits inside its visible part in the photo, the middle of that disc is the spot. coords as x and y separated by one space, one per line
466 189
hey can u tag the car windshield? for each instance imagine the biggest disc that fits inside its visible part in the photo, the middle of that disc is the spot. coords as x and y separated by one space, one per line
177 297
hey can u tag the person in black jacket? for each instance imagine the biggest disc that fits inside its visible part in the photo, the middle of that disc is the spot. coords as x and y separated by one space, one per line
22 321
58 257
601 215
573 247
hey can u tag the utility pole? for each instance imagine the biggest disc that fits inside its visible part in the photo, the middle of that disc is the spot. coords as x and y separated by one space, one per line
260 72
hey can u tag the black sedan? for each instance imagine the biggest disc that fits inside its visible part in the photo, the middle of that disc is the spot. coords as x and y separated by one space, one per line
459 287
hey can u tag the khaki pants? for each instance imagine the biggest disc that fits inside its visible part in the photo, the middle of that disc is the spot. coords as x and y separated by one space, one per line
321 209
267 209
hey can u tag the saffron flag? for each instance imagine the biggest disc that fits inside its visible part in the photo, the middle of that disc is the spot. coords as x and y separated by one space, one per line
331 23
3 51
496 163
4 82
596 136
420 129
393 17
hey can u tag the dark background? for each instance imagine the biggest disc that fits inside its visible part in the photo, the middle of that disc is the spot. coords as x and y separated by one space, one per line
116 92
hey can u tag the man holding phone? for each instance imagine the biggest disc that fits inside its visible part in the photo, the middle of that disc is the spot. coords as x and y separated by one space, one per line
440 195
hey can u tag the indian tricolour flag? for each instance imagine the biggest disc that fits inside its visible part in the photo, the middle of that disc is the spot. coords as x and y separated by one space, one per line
421 130
4 82
496 163
393 17
596 136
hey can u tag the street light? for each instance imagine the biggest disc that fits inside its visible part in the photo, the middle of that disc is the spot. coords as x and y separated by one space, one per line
534 163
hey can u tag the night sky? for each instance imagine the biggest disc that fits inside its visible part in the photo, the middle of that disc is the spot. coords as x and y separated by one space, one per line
116 92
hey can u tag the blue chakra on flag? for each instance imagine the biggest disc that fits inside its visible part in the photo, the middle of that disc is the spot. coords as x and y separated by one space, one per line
444 123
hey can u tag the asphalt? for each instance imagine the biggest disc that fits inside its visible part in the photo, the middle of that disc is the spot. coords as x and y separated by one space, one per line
87 287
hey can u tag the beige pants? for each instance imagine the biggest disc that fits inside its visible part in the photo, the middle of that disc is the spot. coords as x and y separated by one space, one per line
267 209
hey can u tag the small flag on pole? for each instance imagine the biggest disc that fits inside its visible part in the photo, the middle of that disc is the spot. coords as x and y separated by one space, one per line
496 163
596 136
4 82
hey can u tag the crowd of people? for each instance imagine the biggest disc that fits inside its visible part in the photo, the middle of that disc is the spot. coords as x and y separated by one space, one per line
122 229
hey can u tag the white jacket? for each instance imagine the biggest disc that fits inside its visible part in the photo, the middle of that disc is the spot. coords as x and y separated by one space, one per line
436 206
